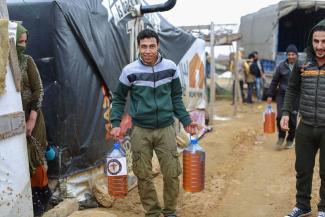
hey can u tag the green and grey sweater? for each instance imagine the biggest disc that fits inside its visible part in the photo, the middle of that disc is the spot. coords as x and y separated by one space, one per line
155 93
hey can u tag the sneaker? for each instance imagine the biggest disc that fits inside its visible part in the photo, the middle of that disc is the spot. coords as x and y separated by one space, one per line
278 144
321 214
289 144
296 212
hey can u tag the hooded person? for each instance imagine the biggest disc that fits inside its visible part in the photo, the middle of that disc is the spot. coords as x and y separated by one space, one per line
32 96
308 82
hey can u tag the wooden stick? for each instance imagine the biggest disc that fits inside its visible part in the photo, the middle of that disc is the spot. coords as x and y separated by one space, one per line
14 65
212 75
3 9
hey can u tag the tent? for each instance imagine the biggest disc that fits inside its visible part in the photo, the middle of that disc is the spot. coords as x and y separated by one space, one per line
80 47
271 29
16 194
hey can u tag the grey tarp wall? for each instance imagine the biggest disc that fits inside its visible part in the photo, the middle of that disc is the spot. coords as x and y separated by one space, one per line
262 30
78 45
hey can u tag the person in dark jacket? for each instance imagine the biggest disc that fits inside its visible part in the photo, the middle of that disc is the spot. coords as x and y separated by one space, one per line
308 81
280 79
256 69
250 80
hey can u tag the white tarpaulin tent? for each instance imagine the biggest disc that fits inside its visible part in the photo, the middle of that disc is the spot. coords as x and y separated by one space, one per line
15 196
262 31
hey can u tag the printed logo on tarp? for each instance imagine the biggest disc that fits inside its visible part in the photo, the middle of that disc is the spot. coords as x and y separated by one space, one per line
192 74
118 9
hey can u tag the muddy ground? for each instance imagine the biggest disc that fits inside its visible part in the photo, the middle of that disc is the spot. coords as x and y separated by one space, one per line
245 175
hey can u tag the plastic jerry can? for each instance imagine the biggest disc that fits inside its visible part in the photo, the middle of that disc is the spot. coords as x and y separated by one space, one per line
193 167
269 119
116 171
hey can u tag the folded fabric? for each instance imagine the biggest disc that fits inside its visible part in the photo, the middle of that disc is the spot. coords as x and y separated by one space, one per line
4 52
39 178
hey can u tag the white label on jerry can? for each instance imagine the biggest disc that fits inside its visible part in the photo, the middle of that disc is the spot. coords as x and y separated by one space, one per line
116 166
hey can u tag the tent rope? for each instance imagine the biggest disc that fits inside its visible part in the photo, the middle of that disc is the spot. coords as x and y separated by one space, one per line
126 145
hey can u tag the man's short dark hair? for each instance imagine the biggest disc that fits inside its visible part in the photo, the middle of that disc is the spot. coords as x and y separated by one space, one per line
250 56
147 33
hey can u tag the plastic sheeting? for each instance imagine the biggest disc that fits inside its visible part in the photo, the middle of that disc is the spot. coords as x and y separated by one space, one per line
260 30
192 75
78 45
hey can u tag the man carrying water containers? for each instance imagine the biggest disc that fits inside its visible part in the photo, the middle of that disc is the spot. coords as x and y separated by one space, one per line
156 97
280 79
308 81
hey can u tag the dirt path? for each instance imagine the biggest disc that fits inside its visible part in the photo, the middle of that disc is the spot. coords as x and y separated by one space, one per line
245 176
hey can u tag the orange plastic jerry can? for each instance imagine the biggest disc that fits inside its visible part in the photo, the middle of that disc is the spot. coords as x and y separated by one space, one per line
193 167
269 119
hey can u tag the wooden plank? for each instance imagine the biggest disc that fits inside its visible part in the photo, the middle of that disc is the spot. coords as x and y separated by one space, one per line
14 65
12 124
3 9
224 39
204 27
235 91
3 14
4 53
212 76
198 27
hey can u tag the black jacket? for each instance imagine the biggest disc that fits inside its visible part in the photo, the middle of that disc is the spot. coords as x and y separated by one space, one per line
255 69
308 80
280 78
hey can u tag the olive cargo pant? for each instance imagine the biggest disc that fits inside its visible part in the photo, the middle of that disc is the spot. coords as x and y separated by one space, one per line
163 142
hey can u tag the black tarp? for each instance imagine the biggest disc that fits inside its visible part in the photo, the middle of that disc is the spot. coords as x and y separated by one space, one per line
295 27
77 48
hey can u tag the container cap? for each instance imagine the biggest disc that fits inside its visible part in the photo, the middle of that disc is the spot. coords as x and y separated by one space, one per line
193 141
116 146
50 153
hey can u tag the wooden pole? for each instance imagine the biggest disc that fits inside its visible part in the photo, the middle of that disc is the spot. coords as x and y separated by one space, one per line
3 9
212 74
235 90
